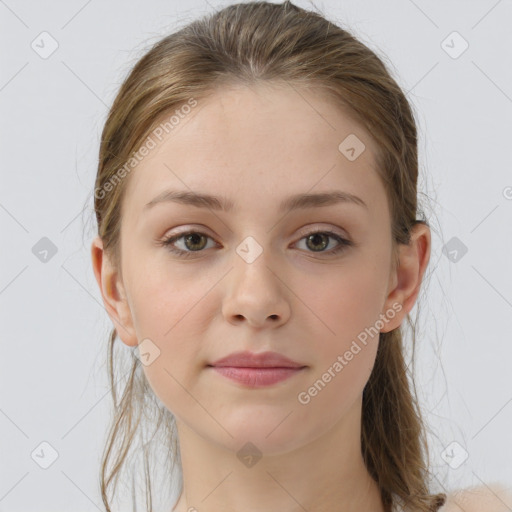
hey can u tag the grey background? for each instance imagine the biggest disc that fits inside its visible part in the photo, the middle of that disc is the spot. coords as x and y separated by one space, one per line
54 326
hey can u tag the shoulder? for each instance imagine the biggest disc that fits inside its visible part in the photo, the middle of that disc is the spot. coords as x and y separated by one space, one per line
494 497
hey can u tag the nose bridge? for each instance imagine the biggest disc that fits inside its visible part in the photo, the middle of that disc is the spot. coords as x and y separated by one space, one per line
255 291
252 262
250 250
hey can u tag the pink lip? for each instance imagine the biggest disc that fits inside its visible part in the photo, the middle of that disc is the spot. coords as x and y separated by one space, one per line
248 359
257 369
256 377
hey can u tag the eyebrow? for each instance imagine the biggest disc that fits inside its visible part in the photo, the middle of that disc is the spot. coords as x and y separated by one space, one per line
296 202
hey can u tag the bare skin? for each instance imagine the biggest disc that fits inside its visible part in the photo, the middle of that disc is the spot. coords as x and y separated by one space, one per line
256 147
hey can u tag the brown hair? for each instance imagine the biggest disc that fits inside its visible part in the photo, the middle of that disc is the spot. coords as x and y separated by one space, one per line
246 43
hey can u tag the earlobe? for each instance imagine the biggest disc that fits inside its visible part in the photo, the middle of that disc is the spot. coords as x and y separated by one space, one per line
112 293
408 276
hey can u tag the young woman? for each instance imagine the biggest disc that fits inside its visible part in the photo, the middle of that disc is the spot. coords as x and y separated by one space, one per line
259 248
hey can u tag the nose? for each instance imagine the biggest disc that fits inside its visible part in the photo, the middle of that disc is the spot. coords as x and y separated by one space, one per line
256 294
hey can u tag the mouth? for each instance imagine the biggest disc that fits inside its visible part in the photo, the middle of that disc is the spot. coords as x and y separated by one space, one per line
247 359
254 376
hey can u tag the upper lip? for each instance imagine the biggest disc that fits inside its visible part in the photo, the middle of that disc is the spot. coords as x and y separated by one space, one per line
248 359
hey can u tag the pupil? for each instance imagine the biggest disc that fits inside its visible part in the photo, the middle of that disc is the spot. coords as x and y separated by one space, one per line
314 237
193 238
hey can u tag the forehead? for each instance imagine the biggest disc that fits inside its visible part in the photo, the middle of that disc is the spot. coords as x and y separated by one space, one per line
259 143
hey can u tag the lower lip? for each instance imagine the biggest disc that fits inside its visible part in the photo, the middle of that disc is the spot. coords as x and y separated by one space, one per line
257 377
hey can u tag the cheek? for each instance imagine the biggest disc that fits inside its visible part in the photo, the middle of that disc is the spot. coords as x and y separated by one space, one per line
344 306
167 319
172 312
347 343
163 297
173 320
346 309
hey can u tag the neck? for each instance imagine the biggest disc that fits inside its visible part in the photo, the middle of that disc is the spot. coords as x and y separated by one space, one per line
326 475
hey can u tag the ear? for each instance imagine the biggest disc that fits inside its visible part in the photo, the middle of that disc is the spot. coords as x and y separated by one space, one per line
113 293
405 281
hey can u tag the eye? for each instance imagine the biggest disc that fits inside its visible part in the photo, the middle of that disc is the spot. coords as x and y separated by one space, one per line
195 241
318 240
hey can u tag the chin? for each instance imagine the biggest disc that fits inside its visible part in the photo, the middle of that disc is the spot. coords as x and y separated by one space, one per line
269 435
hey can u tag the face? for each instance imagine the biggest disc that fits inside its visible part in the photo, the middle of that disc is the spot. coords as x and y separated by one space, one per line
256 277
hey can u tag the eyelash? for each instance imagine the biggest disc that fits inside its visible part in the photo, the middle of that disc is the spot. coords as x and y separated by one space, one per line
343 244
